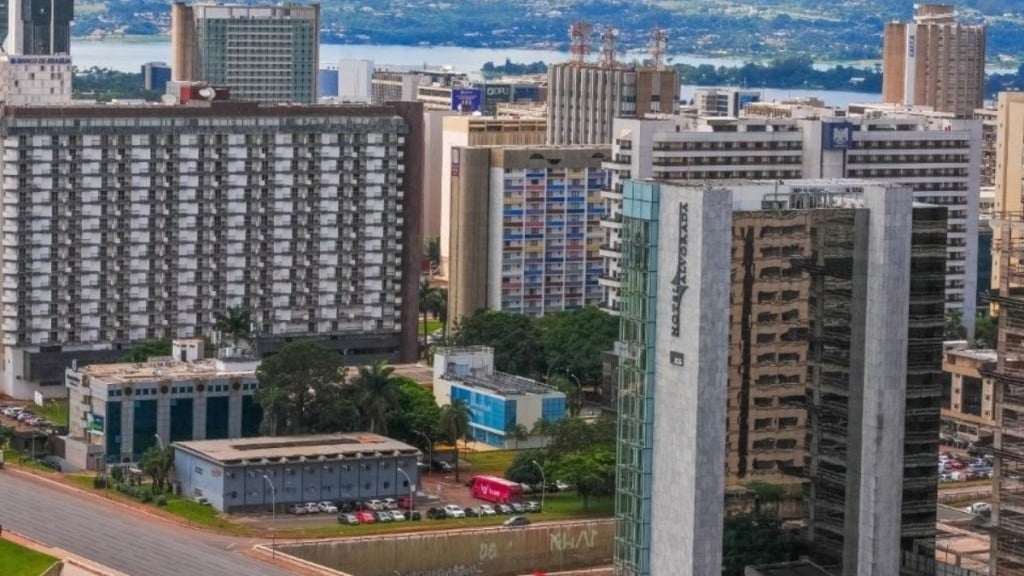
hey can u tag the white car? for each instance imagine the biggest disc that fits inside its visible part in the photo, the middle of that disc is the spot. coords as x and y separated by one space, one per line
486 510
454 511
397 516
375 505
312 507
979 508
327 507
390 504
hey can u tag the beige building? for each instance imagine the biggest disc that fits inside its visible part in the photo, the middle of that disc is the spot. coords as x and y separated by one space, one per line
1009 167
934 61
968 396
583 99
469 131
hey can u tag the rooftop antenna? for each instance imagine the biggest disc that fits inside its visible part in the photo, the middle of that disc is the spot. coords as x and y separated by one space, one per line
579 45
608 38
659 46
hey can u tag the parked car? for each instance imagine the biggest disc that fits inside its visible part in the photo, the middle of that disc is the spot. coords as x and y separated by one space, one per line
413 515
503 509
365 517
486 510
979 508
383 516
390 504
312 507
454 511
516 521
436 514
297 509
397 516
440 466
327 507
350 519
517 507
405 503
531 506
375 505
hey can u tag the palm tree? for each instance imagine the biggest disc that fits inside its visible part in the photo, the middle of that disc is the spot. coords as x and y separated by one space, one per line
378 394
519 433
454 424
235 322
440 309
428 298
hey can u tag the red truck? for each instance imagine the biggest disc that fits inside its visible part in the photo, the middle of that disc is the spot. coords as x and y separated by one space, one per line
494 489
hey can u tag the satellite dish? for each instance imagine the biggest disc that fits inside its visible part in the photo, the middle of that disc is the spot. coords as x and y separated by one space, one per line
169 99
207 93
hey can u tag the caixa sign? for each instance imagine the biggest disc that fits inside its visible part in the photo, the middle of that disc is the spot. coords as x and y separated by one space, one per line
679 281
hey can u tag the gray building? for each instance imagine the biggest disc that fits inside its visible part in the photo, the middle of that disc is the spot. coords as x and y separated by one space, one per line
267 53
247 474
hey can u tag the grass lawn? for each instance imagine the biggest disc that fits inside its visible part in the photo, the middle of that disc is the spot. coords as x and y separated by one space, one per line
14 458
55 411
569 506
200 515
17 560
490 461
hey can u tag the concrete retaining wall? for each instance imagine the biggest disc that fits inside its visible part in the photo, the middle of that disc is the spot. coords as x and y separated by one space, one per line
481 552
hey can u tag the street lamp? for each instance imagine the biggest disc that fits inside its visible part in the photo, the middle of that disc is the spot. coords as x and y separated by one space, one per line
159 442
430 449
273 518
543 484
412 491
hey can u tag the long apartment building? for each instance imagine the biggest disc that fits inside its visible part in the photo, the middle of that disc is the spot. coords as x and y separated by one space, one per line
821 289
525 228
936 156
130 223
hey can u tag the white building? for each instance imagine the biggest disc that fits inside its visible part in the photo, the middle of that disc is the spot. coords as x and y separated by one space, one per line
937 156
497 402
35 66
130 223
354 80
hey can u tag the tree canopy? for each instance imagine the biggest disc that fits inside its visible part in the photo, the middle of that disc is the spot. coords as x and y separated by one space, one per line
299 390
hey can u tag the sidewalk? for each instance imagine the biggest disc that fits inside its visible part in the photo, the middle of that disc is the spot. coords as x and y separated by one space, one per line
73 565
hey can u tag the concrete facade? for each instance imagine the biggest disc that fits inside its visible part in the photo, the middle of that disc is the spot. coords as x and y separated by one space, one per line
968 395
1009 172
355 79
254 473
268 54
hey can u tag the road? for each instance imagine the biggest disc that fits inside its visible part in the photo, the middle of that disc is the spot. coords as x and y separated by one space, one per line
107 533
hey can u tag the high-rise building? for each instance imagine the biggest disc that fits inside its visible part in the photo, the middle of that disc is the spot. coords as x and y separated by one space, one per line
464 130
934 61
1009 171
155 76
268 54
328 82
723 101
936 156
584 99
831 264
402 85
525 228
355 80
129 223
35 67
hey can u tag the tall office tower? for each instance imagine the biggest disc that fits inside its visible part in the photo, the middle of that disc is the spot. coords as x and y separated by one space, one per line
464 130
155 76
35 67
936 156
584 99
832 273
130 223
934 61
525 228
1009 171
268 54
355 80
672 394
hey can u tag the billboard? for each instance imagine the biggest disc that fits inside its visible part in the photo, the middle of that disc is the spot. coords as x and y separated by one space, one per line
466 99
837 135
498 92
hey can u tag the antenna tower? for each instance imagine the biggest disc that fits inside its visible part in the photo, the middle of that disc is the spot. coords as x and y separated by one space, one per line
659 45
579 45
608 38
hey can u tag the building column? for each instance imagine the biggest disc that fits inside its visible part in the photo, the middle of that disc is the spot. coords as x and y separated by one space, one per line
127 428
235 415
199 417
163 418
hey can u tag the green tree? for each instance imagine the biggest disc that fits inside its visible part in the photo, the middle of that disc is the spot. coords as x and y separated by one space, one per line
591 471
986 330
417 413
954 328
428 303
454 426
570 435
157 462
573 342
235 323
432 251
147 349
513 336
299 388
573 393
379 394
519 433
523 470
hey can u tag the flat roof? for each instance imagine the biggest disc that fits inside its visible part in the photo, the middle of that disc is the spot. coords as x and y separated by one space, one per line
166 369
799 568
269 449
976 354
505 384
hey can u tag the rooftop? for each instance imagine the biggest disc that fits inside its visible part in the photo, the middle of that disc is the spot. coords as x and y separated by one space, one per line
506 384
166 368
974 354
267 449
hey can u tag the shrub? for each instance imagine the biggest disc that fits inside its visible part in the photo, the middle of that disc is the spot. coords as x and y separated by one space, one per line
161 500
147 497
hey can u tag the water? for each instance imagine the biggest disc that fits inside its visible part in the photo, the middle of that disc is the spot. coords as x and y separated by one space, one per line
128 55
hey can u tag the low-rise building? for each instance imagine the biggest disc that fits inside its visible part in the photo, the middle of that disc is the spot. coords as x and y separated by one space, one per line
120 410
968 405
498 402
255 473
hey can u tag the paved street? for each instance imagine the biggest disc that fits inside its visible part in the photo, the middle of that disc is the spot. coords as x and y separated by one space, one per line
109 534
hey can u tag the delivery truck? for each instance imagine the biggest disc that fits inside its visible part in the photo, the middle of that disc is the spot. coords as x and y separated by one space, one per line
497 490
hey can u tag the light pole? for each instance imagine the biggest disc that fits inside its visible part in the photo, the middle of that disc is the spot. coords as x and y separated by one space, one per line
159 442
412 491
543 484
273 518
430 449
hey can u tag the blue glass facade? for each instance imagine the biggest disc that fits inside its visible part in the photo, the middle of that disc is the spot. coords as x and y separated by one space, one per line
113 429
217 417
181 419
143 427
